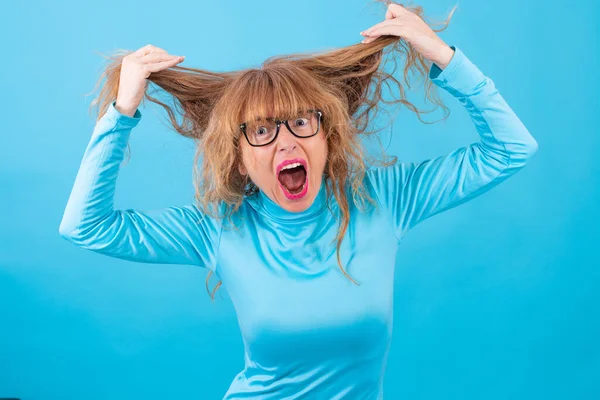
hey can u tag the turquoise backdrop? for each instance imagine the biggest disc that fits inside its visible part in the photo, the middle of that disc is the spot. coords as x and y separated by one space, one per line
496 299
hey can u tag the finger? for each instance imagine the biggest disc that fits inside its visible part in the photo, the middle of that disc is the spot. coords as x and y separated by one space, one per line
368 40
389 14
164 64
384 24
147 49
387 30
156 57
394 10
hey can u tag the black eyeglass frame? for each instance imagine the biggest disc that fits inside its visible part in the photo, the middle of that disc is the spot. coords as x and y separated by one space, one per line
283 121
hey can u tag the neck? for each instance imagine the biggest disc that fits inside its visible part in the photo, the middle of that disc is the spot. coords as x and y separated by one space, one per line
274 210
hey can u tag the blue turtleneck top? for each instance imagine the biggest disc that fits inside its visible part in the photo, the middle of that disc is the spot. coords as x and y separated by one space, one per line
308 331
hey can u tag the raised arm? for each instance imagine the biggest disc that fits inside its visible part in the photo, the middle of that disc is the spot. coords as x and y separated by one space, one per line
413 192
175 235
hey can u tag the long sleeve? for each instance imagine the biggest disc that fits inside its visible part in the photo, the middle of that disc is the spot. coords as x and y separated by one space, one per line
174 235
413 192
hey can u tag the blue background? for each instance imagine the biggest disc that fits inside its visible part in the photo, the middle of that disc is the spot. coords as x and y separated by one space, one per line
498 298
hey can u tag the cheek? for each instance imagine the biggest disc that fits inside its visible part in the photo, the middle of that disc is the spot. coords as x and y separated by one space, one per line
257 162
244 162
321 150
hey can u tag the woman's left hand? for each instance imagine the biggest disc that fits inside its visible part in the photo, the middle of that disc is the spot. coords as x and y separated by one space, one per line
403 23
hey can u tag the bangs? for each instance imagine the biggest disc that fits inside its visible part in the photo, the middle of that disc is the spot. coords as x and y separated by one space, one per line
275 92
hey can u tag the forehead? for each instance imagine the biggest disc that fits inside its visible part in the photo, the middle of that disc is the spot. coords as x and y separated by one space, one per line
273 94
271 116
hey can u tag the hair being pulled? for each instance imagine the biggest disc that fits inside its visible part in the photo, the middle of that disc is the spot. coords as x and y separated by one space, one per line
346 84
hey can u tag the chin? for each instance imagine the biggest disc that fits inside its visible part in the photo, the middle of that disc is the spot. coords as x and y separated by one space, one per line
297 202
296 206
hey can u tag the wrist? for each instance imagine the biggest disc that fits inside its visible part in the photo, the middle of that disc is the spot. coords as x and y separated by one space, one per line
125 110
444 57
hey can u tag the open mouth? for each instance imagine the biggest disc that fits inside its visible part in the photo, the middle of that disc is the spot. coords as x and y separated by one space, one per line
293 180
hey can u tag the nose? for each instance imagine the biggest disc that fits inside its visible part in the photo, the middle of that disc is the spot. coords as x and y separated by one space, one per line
286 141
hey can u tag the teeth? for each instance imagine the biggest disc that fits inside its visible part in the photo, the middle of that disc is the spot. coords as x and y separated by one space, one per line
289 166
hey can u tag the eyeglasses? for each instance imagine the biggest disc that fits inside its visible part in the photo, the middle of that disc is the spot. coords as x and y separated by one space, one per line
264 131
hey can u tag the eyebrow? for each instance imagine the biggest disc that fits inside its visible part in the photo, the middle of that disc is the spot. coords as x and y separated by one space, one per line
260 118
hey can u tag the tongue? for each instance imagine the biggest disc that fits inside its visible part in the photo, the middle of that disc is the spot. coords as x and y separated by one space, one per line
293 179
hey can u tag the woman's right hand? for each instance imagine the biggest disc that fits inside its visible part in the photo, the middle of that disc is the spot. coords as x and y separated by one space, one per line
135 68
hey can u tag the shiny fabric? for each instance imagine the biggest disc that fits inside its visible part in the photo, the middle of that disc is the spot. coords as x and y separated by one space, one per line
308 331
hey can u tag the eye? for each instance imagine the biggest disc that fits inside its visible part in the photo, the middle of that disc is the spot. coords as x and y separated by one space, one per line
261 131
300 122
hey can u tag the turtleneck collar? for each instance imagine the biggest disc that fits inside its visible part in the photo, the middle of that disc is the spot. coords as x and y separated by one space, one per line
264 204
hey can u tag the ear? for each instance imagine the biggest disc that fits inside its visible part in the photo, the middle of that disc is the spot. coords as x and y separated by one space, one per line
242 168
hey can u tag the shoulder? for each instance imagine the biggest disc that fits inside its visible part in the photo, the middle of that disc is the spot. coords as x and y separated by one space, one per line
379 178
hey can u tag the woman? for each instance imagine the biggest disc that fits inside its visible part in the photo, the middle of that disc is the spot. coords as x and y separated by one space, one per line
299 230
